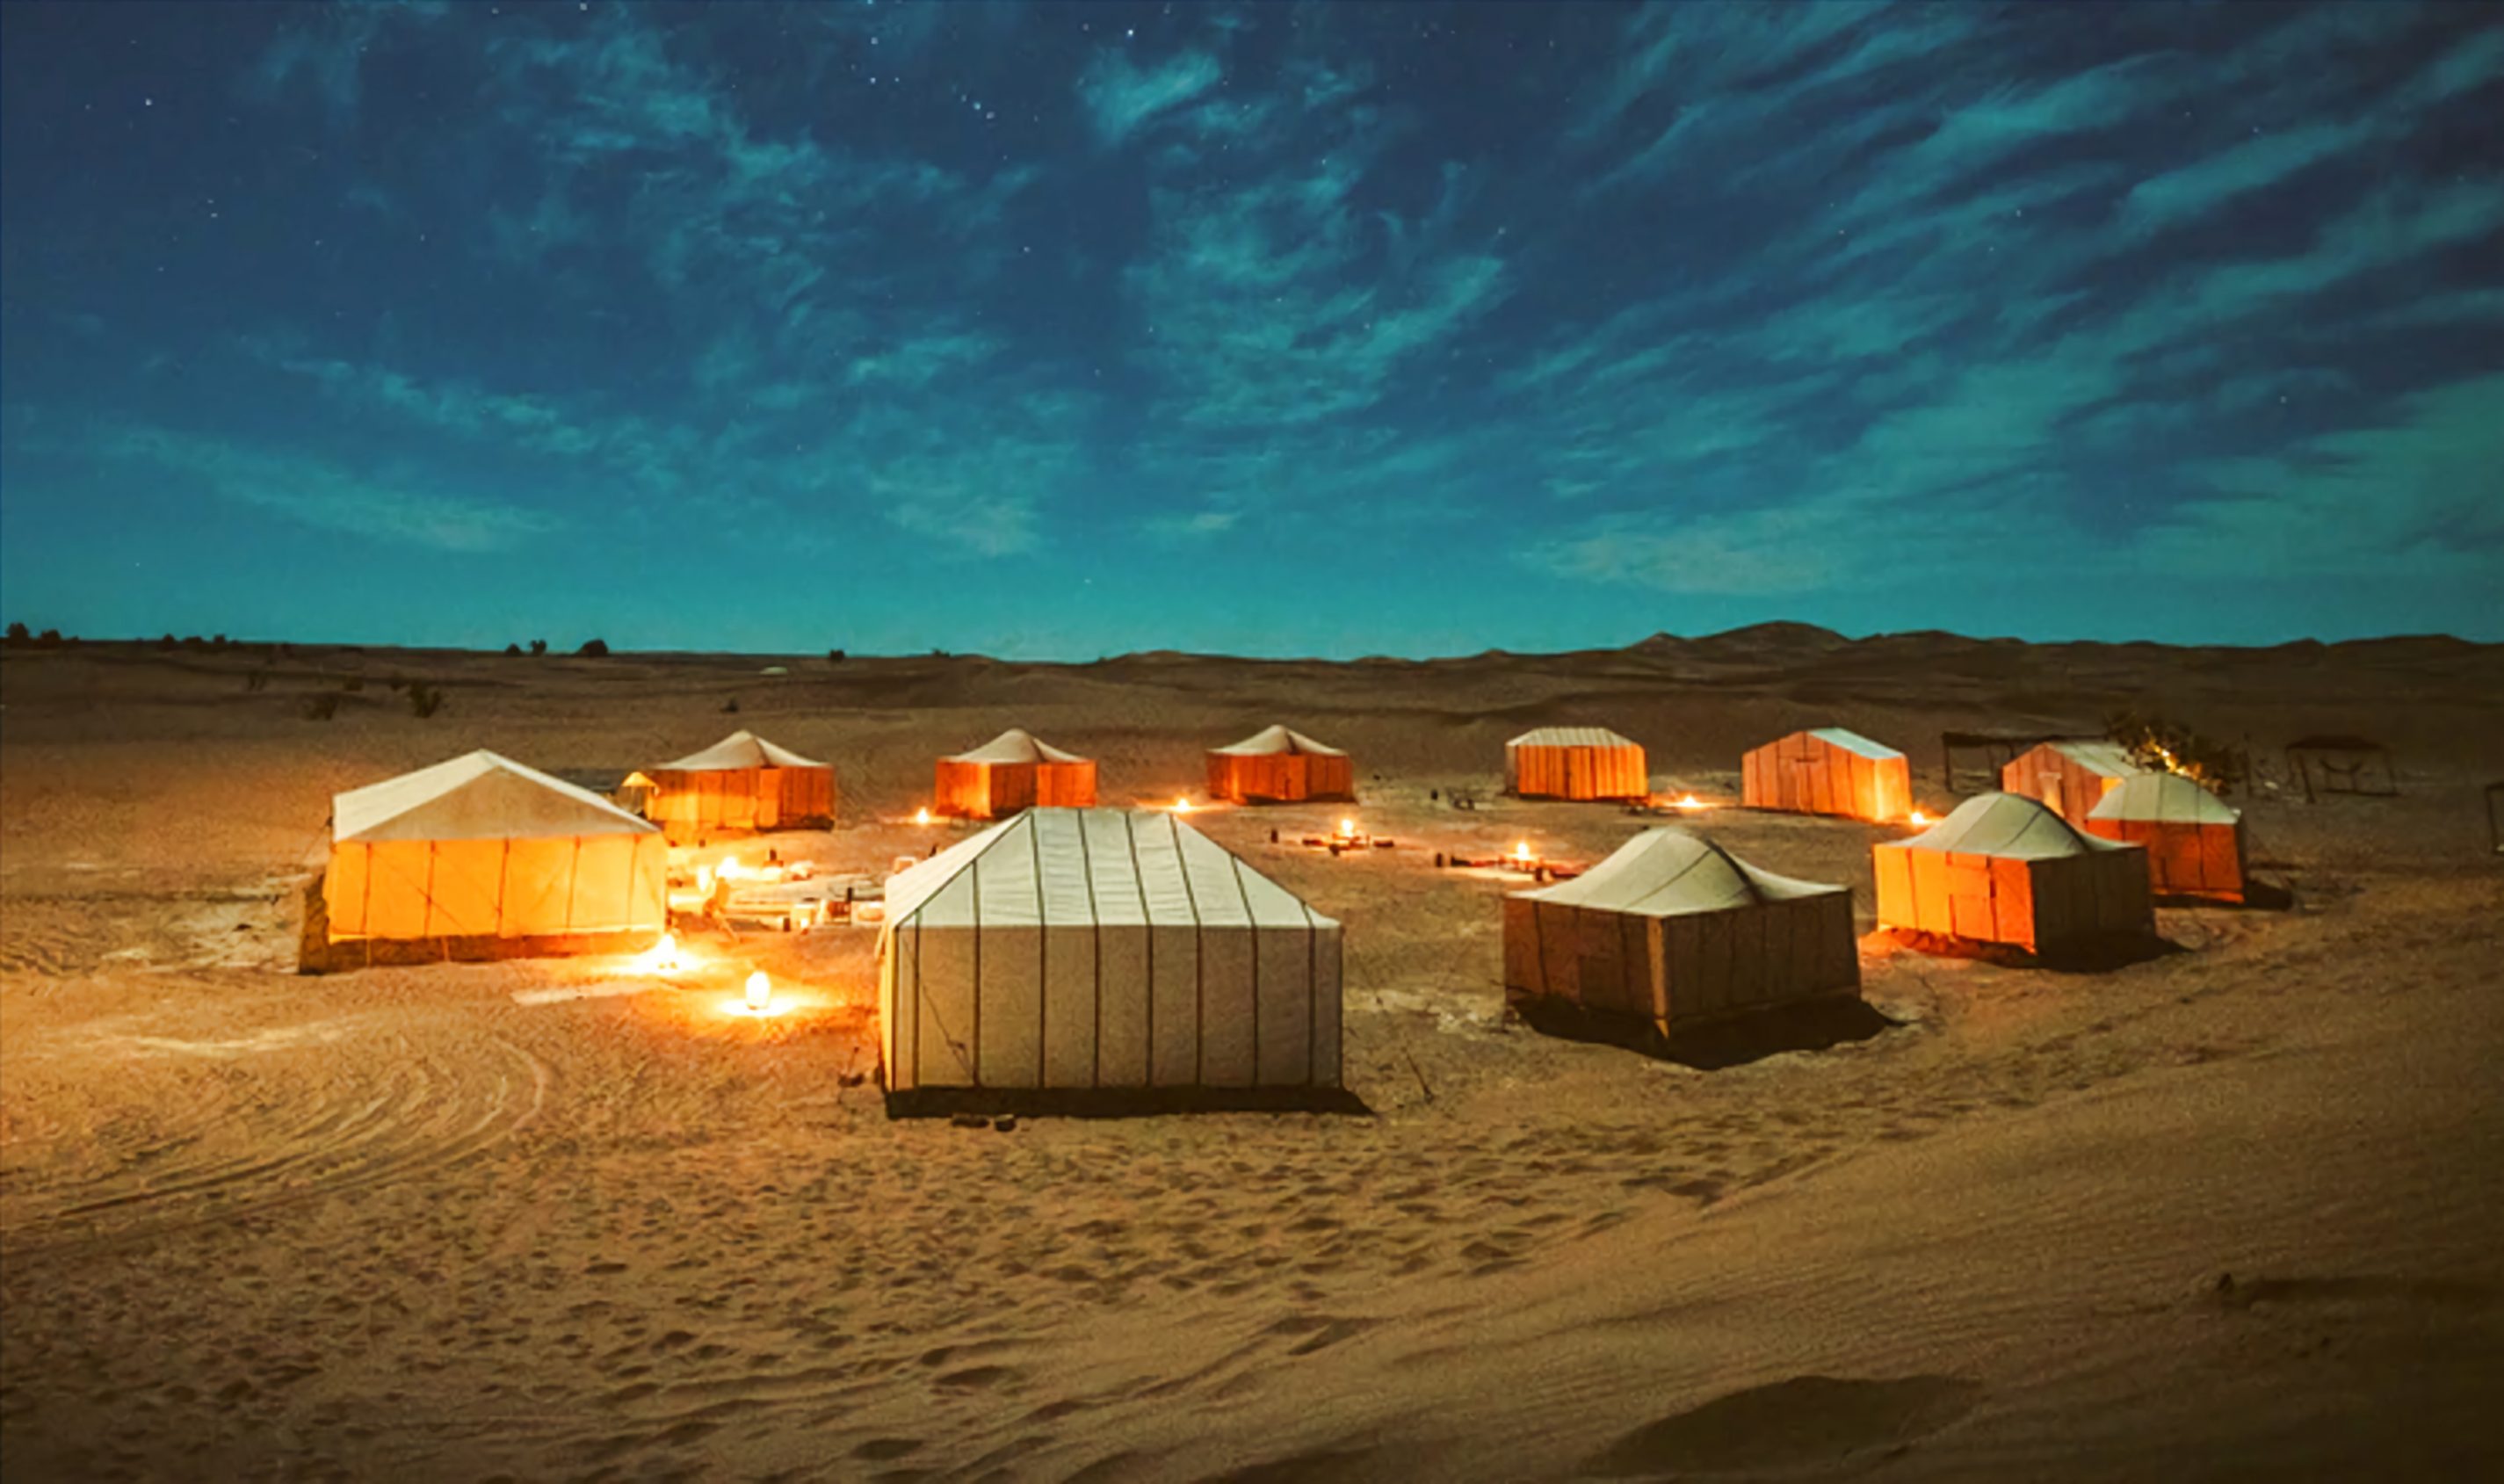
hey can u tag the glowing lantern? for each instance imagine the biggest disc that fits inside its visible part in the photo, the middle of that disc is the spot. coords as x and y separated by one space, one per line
1521 852
1182 806
760 992
666 957
921 816
704 879
1347 829
1691 803
1917 817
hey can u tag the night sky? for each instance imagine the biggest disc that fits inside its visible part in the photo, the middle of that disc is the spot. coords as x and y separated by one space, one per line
1057 329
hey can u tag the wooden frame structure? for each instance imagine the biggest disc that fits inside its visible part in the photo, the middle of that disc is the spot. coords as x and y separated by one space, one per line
2342 764
1997 750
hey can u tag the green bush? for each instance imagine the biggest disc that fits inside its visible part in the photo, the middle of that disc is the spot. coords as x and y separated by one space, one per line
423 700
2162 744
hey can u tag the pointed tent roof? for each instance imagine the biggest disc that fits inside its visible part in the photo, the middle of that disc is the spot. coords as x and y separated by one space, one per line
2010 825
1570 737
1270 741
478 797
1854 742
2166 798
740 751
2111 759
1105 866
1667 871
1017 744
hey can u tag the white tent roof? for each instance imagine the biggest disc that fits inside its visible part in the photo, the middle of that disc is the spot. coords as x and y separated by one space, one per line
1269 741
2011 825
2162 797
1854 742
1668 873
2111 759
477 797
1106 866
1570 737
1017 745
740 751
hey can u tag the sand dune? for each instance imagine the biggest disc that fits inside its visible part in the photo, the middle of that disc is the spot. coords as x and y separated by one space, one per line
400 1223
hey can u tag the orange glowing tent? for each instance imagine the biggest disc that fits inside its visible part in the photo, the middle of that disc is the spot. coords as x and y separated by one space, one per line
2069 778
2194 839
1673 929
1828 771
1011 772
742 783
2002 868
481 856
1575 763
1277 765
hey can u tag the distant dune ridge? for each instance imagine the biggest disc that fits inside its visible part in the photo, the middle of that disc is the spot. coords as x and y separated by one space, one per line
2224 1212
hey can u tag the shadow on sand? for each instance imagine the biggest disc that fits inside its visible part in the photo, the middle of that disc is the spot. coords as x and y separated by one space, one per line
1811 1025
2098 955
1120 1102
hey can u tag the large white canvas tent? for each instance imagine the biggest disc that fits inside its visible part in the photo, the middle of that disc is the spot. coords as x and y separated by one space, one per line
741 782
1014 770
1575 763
1674 929
1278 764
2194 840
2002 868
485 850
2070 777
1103 950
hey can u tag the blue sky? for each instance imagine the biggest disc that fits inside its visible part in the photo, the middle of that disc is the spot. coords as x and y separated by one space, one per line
1056 330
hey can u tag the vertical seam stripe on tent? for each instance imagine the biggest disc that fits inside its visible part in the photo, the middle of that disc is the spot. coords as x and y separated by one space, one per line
1042 957
1096 931
573 879
1312 997
503 869
1147 915
1253 917
974 869
425 893
365 916
1198 961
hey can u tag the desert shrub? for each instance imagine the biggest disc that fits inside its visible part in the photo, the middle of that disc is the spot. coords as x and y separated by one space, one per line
321 705
217 642
17 634
257 681
2162 744
594 649
423 700
834 656
352 683
50 638
194 641
512 649
538 646
167 643
731 704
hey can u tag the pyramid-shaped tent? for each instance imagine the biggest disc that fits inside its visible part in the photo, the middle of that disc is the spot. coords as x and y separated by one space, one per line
2002 868
1011 772
1673 929
740 784
2194 840
481 849
1575 763
1102 950
1278 764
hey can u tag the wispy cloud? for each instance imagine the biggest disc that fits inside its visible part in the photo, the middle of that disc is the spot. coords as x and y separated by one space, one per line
1120 95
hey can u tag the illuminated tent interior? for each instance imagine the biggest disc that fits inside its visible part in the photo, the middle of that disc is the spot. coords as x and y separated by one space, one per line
1103 949
742 783
484 850
2002 868
1277 765
2194 840
1575 763
1674 929
2070 777
1011 772
1828 771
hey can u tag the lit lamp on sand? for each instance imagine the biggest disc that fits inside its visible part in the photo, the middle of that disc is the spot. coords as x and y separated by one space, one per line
1690 804
1918 820
1182 806
921 816
760 992
1347 829
1521 856
665 958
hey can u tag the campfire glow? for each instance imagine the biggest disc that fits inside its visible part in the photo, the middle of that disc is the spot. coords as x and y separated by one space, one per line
662 957
1347 829
1521 853
1692 803
760 992
704 879
1917 817
921 816
1182 806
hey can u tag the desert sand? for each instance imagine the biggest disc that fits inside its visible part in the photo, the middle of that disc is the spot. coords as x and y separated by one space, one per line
2228 1211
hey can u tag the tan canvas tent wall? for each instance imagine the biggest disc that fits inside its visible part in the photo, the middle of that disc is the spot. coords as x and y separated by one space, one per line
1828 771
1277 765
741 782
482 848
1011 772
1673 929
2194 840
1575 763
1106 950
2005 868
2070 777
